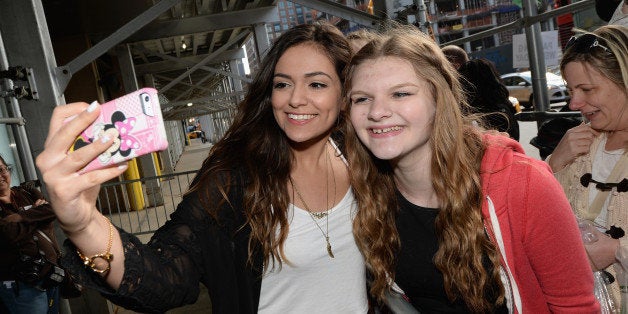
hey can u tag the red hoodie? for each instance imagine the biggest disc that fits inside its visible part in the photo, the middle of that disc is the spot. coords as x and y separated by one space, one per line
541 240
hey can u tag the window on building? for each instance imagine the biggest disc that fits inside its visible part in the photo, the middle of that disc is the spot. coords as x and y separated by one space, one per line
447 7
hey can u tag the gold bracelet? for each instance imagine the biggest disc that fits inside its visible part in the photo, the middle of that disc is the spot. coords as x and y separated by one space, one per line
105 256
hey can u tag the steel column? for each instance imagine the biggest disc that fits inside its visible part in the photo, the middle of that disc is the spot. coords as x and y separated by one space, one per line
153 191
26 42
536 57
65 72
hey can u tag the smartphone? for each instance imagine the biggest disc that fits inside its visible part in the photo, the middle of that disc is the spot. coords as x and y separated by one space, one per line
135 123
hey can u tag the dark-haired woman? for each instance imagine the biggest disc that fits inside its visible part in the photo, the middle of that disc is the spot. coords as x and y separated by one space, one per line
488 96
266 224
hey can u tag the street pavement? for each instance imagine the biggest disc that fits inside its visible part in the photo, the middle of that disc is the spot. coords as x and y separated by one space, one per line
528 130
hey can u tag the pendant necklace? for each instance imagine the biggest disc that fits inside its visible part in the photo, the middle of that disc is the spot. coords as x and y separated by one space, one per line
325 214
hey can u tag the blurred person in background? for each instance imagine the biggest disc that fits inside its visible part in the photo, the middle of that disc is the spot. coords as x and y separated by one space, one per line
357 39
488 96
455 55
29 248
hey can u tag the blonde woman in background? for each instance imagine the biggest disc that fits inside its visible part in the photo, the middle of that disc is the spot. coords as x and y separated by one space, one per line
591 159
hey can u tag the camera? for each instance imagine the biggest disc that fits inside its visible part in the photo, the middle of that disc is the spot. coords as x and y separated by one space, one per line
29 268
54 278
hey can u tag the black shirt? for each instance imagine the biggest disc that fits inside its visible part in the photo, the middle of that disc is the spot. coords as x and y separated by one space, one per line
416 273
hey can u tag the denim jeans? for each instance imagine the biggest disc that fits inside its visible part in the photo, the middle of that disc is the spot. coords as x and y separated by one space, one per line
21 298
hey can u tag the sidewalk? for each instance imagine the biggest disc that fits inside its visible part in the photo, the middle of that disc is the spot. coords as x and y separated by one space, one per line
193 156
191 159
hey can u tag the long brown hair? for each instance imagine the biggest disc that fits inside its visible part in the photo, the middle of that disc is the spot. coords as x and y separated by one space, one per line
255 146
457 151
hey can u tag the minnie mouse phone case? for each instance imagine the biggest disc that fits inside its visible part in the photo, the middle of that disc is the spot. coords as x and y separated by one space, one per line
135 123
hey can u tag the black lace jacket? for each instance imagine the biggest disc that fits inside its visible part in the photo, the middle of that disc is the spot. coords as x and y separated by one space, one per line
192 247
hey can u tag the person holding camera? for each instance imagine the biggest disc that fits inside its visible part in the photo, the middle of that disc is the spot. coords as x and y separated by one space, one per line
29 249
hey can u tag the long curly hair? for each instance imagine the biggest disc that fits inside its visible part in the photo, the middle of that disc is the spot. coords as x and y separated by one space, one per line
455 170
256 146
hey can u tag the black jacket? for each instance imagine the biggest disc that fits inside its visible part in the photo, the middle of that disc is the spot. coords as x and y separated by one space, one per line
22 238
191 248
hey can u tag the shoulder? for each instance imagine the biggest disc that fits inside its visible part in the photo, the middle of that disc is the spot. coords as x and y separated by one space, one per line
218 199
515 170
499 152
535 190
510 174
534 170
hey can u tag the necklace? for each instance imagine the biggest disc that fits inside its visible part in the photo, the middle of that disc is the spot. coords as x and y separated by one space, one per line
325 214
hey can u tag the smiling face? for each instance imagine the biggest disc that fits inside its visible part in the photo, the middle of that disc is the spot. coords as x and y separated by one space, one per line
306 93
599 100
5 176
392 110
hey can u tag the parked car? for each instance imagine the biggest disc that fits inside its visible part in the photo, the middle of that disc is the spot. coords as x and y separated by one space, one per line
520 86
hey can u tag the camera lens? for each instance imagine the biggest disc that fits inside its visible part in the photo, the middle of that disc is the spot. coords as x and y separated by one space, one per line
146 98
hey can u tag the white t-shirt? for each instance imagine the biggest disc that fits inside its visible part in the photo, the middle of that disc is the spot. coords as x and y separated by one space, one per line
619 17
314 282
603 163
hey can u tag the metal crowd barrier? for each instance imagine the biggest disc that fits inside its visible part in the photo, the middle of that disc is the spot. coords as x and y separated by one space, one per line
113 202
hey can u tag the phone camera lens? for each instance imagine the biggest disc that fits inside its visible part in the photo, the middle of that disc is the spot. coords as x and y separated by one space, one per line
146 98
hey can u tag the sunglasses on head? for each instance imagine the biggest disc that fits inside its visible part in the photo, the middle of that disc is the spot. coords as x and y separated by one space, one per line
584 43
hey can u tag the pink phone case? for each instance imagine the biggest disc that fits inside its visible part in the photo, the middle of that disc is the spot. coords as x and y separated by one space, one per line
135 123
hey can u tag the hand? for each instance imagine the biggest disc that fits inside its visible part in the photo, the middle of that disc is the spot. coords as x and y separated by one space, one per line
601 252
574 143
73 195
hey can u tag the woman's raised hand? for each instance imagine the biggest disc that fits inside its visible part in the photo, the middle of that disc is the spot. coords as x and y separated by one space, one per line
73 195
576 141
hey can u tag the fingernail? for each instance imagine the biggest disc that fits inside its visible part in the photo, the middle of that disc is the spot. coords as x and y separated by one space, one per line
105 139
122 167
92 106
